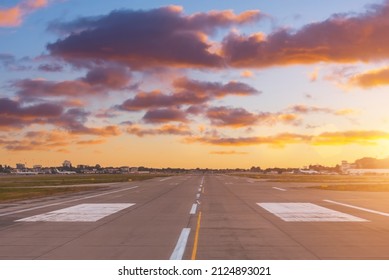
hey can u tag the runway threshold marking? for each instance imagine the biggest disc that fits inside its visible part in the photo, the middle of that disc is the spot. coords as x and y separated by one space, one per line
307 212
280 189
196 239
359 208
88 212
67 201
179 250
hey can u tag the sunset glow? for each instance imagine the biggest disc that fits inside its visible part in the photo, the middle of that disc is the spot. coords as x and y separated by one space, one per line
193 84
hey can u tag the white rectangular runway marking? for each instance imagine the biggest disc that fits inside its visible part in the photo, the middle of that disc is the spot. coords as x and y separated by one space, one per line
307 212
90 212
181 245
359 208
66 201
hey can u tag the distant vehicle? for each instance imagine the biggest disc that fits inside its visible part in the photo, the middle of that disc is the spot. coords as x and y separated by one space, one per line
64 172
308 171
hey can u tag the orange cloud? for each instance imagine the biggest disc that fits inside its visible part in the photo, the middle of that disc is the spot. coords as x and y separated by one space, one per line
280 140
372 78
11 17
222 153
247 74
167 129
341 38
350 137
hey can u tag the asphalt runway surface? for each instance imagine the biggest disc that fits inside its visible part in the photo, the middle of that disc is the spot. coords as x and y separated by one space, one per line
199 217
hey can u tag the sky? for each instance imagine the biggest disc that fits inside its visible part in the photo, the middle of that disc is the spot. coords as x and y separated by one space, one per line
209 84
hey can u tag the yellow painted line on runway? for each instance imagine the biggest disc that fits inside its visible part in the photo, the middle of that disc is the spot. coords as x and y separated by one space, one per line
196 240
202 191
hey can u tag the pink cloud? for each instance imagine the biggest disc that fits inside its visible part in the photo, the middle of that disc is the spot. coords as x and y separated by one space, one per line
11 17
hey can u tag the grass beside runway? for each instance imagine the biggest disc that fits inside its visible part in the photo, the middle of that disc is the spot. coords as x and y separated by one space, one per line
355 187
14 188
365 183
73 179
16 193
307 178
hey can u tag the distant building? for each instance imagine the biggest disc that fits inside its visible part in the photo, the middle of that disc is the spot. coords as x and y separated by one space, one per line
67 163
345 166
20 166
134 169
124 169
37 166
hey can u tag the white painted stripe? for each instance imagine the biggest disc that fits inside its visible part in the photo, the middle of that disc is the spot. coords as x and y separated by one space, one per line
193 209
66 201
359 208
164 179
307 212
181 245
89 212
198 196
199 189
280 189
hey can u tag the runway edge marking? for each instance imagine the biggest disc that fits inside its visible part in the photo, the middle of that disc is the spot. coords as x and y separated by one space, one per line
359 208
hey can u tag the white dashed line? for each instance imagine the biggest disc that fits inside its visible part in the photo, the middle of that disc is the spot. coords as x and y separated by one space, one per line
307 212
359 208
179 250
280 189
164 179
89 212
193 209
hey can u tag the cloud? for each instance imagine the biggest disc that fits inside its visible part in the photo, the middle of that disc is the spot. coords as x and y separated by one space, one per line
305 109
370 79
350 137
280 140
341 39
167 129
39 140
50 67
96 82
238 117
15 115
187 92
146 39
223 153
247 74
231 117
90 142
11 17
165 115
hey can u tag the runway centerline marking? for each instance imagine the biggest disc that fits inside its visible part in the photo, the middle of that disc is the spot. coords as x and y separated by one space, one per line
280 189
359 208
67 201
88 212
179 250
193 209
307 212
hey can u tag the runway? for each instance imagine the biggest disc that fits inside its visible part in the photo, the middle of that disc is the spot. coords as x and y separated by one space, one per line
199 217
